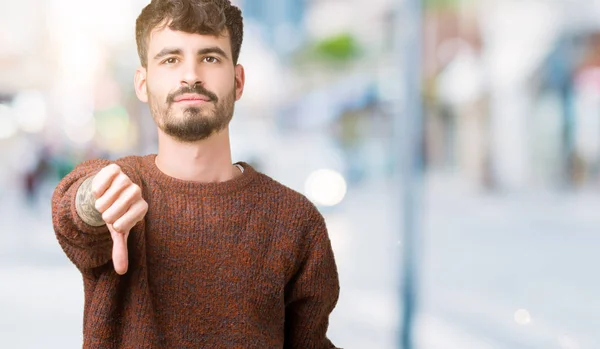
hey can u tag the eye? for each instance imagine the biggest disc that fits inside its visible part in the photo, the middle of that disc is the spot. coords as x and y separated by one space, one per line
171 60
211 59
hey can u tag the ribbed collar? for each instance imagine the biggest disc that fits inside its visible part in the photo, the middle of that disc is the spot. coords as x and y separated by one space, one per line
191 187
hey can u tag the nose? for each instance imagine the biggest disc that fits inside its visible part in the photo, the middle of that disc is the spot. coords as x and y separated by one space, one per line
191 77
190 83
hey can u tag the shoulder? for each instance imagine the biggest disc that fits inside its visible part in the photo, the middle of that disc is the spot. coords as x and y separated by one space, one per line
290 204
129 164
293 219
130 161
133 161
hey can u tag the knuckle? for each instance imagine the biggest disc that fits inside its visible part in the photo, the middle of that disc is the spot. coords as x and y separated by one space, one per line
131 196
107 218
137 191
133 192
96 185
117 184
124 226
124 180
143 209
99 205
113 168
107 172
121 227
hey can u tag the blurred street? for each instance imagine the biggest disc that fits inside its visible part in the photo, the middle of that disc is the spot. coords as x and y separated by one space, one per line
530 252
507 144
511 271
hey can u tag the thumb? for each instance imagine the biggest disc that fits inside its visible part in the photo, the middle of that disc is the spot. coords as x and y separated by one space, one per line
119 252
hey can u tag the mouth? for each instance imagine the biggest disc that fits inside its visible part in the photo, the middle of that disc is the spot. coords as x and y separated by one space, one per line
192 99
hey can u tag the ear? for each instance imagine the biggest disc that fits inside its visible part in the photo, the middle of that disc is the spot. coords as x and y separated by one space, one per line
240 80
141 89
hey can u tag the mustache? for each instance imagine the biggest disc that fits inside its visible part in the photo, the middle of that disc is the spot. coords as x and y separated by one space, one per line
196 89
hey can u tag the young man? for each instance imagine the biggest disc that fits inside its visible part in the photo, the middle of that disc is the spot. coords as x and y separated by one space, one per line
184 249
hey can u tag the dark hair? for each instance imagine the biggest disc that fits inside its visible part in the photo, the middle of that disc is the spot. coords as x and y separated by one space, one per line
190 16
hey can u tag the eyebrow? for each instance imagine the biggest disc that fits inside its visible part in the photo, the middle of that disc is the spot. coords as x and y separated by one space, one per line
176 51
213 49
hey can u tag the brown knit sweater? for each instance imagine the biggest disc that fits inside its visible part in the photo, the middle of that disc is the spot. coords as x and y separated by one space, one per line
245 263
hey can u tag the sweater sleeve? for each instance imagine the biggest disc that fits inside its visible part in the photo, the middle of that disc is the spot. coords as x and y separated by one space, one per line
86 246
312 294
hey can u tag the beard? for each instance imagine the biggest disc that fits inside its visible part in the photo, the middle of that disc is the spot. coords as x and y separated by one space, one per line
194 123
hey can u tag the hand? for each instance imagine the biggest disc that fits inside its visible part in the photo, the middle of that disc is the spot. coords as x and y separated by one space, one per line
120 202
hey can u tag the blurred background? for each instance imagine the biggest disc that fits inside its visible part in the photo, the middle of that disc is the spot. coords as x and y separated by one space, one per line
504 178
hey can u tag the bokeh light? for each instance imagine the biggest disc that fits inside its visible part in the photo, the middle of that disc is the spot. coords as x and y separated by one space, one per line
30 111
8 126
326 187
522 317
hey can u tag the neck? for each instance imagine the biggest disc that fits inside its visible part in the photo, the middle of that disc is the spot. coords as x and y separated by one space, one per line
206 161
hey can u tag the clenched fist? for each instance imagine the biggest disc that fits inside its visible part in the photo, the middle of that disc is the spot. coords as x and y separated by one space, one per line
111 198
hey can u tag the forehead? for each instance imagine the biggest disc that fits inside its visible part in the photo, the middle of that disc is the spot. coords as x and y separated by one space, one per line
166 37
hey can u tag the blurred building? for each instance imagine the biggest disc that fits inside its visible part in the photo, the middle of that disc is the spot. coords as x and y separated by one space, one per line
281 22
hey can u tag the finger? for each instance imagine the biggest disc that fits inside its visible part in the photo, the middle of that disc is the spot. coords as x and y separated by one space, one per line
124 201
120 182
103 179
136 213
119 253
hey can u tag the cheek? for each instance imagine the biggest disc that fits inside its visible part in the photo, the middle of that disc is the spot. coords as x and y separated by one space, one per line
222 80
227 87
157 84
154 91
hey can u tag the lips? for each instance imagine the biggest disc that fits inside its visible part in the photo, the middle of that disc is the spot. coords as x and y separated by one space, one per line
192 98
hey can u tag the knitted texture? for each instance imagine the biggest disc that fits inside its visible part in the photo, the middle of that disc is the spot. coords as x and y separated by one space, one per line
245 263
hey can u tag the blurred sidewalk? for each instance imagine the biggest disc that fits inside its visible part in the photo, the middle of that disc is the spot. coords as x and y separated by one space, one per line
512 270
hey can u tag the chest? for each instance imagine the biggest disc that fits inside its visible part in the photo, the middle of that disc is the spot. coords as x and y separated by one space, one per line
215 254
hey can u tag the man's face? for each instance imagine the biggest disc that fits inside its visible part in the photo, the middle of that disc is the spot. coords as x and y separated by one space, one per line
190 83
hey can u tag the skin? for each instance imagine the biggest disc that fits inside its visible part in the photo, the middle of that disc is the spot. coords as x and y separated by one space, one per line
191 84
